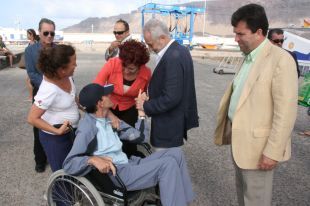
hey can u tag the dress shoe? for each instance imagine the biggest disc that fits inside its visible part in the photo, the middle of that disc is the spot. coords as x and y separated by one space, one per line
40 168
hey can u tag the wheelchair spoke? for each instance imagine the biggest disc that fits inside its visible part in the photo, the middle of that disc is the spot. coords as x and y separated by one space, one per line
70 191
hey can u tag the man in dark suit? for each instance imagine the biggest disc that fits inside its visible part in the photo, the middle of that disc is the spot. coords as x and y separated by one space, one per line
276 37
172 97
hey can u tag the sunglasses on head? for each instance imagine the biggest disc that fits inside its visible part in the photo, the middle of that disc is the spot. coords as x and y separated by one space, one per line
118 32
46 33
277 41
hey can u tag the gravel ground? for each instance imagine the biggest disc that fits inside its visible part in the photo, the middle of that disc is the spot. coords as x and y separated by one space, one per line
210 166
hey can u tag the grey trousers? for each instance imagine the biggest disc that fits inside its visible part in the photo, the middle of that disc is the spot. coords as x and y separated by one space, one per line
254 187
168 168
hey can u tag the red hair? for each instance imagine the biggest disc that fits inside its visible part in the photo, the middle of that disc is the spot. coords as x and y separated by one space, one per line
133 52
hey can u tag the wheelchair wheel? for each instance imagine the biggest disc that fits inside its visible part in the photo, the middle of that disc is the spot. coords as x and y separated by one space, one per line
64 189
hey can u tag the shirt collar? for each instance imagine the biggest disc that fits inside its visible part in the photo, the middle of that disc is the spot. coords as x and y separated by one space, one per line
163 51
253 55
127 38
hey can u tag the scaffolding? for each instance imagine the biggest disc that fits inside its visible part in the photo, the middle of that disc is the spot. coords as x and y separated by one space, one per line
181 35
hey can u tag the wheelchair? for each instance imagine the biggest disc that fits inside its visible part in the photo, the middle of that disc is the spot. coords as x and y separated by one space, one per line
97 189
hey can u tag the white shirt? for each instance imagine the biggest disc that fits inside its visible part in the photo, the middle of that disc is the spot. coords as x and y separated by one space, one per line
161 53
58 104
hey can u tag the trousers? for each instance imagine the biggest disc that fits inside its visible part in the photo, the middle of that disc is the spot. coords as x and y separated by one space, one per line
167 168
39 154
254 187
56 147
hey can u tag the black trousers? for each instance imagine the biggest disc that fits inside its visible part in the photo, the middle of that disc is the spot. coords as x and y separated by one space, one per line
130 116
39 154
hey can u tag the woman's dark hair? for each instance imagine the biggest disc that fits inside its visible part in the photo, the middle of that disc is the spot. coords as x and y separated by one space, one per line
52 58
253 15
134 52
33 33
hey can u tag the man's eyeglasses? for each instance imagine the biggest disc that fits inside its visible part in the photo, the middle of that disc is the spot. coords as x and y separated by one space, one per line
46 33
277 41
118 32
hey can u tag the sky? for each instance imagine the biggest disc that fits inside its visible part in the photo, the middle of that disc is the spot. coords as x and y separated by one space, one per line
26 14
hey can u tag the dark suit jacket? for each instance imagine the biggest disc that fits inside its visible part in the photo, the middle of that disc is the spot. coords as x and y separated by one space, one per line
172 104
296 62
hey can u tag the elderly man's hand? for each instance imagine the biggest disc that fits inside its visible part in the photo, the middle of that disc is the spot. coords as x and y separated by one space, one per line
266 163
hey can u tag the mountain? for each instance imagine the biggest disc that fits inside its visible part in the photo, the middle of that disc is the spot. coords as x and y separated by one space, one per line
281 13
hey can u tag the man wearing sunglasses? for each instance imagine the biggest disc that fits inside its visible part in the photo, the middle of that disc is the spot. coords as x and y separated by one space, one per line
122 34
46 33
276 37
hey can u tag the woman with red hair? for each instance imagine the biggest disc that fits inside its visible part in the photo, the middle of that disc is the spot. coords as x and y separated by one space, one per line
128 74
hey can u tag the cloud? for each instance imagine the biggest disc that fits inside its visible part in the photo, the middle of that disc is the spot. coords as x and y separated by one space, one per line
66 12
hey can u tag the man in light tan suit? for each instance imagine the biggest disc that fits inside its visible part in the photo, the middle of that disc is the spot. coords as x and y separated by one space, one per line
258 110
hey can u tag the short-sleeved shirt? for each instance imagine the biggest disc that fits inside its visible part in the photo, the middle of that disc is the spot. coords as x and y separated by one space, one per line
59 104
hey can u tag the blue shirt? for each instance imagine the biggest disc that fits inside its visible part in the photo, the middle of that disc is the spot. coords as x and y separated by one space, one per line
108 142
31 60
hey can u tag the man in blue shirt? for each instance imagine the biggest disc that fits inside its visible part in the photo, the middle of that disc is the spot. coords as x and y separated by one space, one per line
46 33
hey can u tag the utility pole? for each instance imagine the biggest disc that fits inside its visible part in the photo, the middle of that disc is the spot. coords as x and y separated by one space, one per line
204 18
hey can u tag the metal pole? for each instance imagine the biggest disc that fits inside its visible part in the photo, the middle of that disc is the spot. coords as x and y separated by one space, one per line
204 19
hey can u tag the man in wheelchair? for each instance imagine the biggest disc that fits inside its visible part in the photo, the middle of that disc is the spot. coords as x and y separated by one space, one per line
97 146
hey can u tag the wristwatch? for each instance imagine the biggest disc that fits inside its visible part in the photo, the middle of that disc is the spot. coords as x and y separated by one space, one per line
142 117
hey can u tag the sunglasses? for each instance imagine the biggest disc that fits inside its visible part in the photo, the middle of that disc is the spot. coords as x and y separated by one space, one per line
46 33
118 32
277 41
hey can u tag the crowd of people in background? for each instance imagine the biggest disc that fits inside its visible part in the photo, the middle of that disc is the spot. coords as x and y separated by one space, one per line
256 115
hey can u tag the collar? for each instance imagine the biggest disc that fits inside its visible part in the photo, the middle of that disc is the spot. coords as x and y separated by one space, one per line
127 38
163 50
253 55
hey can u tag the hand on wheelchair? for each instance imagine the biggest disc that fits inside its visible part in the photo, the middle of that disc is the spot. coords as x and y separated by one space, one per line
103 164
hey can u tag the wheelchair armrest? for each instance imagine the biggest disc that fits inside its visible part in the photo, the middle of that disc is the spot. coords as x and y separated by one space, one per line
146 146
119 180
123 186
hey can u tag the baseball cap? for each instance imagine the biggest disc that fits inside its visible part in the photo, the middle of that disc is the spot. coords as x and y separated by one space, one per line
92 93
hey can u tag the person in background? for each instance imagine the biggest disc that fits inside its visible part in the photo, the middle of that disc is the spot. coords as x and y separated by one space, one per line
4 51
122 34
276 37
259 108
46 32
129 74
55 106
33 38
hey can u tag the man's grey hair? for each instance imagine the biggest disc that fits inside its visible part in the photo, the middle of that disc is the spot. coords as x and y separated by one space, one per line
156 28
47 21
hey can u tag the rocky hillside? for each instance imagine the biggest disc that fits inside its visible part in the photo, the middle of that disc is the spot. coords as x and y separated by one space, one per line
281 13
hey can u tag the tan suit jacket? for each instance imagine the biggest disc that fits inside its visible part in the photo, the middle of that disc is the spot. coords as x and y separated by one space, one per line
266 111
